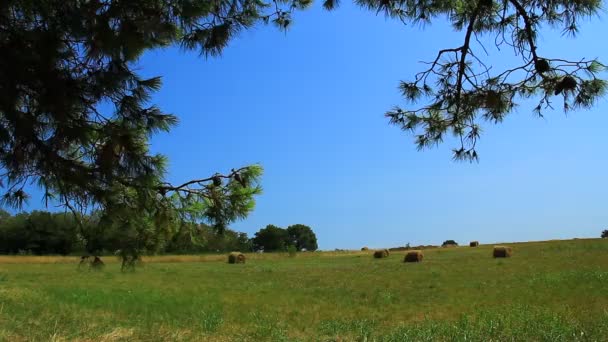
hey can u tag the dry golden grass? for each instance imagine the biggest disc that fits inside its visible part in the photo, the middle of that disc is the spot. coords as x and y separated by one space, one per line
18 259
157 259
118 334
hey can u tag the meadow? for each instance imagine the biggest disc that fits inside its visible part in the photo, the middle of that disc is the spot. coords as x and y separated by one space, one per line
547 291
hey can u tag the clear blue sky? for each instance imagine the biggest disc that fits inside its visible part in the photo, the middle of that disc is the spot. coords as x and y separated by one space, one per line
308 106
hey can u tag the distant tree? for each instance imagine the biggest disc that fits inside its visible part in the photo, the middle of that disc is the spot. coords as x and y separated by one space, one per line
14 238
449 242
51 233
39 232
271 238
605 234
203 238
98 238
243 243
302 237
188 239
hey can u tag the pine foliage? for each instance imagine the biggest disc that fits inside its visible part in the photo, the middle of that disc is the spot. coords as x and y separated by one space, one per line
460 90
75 117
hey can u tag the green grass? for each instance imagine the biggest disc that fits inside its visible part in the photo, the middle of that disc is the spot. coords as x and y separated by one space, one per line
548 291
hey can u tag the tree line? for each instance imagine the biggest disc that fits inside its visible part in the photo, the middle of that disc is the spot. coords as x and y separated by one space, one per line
60 233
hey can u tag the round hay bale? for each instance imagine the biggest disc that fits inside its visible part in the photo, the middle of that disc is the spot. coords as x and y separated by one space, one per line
413 256
473 243
502 252
236 258
382 253
364 249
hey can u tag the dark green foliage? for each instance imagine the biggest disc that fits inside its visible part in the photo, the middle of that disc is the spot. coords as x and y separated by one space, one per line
459 90
200 238
542 66
39 233
292 250
271 238
62 59
59 233
302 237
331 4
605 234
565 84
449 242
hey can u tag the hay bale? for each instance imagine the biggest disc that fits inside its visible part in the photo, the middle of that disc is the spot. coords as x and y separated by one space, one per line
473 243
413 256
502 252
364 249
236 258
382 253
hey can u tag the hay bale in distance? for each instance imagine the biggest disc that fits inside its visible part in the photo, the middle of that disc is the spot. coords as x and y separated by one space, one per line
364 249
236 258
502 252
413 256
382 253
474 244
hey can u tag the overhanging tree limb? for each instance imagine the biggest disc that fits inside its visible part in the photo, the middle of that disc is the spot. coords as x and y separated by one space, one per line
456 93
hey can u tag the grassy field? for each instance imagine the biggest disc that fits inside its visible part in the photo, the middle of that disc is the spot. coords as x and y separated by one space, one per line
548 291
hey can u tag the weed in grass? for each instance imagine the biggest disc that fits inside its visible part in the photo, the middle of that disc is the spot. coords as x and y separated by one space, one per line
266 328
211 320
347 329
385 297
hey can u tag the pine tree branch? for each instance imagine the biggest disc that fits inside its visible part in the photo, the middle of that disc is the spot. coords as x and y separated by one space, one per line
463 54
184 187
521 11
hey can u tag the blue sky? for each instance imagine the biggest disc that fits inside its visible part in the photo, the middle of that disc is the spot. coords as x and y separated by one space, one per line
308 106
